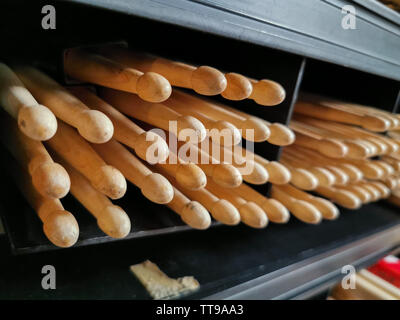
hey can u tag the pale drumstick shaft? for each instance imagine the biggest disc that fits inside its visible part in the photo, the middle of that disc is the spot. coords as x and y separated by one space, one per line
34 120
93 125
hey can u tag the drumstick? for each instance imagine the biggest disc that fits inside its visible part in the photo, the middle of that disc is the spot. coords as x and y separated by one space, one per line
278 173
34 120
391 182
93 125
344 198
250 213
152 185
222 132
393 162
238 87
367 167
59 226
276 211
49 178
332 113
147 145
252 129
204 80
75 150
373 191
328 209
111 219
94 68
302 210
188 175
220 209
224 174
385 191
267 92
364 195
251 171
156 114
280 134
388 170
301 178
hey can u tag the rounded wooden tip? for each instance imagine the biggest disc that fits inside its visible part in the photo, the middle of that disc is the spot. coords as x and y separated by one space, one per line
276 211
364 195
255 174
61 228
226 134
208 81
37 122
51 180
375 123
150 147
268 93
252 215
324 177
328 210
347 199
372 171
374 192
196 216
391 183
114 222
357 150
258 131
353 172
306 212
333 148
388 170
226 175
225 212
281 135
153 87
384 190
278 173
110 182
341 178
190 129
157 189
95 126
238 87
303 179
190 176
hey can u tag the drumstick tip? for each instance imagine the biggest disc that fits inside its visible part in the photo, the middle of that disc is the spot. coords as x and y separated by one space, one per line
281 135
225 212
95 126
110 182
51 180
306 212
257 174
61 228
226 134
268 93
303 179
255 130
278 173
153 87
238 87
190 176
114 222
276 211
150 147
208 81
252 215
196 216
157 189
226 175
37 122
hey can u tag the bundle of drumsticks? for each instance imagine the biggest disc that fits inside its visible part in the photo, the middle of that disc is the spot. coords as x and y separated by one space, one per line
124 121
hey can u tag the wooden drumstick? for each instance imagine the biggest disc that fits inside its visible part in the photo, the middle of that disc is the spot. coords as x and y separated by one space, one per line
276 211
393 162
204 80
328 209
333 113
93 125
385 191
301 178
156 114
188 175
391 182
224 174
49 178
191 212
364 195
250 213
75 150
373 191
220 209
111 219
280 134
238 87
252 129
302 210
153 186
59 226
94 68
251 171
267 92
367 167
344 198
147 145
277 172
34 120
388 170
221 132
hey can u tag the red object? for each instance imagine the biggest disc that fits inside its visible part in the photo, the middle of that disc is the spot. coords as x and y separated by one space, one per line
388 268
